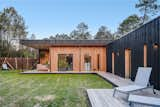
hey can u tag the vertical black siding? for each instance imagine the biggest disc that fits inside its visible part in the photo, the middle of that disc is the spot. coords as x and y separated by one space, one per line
148 34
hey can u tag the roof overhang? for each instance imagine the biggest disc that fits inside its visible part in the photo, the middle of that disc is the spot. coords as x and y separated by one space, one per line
45 44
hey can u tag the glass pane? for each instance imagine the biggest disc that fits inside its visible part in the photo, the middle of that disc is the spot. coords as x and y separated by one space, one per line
65 62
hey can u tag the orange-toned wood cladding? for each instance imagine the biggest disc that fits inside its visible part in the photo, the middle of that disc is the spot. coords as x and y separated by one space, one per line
145 55
45 58
78 57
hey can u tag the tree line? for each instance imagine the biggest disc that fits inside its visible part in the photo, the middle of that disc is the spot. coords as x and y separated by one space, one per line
12 29
81 33
147 8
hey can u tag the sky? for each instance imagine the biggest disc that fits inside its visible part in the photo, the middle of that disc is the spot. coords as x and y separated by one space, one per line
49 17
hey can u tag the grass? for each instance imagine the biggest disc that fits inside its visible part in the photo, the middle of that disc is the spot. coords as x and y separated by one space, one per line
47 90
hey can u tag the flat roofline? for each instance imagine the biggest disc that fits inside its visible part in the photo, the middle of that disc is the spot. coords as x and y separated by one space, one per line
44 44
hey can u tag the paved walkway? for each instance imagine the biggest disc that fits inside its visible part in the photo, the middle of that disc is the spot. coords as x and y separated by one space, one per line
116 80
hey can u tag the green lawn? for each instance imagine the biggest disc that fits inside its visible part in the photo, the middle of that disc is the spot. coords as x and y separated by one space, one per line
47 90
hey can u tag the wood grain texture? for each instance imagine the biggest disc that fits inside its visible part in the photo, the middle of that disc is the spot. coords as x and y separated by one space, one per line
78 57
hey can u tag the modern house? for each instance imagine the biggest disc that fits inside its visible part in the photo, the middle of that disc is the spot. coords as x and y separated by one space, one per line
71 55
121 57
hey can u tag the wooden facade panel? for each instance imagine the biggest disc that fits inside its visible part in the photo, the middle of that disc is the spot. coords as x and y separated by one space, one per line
78 57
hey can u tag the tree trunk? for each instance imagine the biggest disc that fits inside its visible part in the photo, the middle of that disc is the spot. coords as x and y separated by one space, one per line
145 15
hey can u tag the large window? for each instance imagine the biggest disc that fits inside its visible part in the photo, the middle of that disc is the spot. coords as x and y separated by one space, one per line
65 62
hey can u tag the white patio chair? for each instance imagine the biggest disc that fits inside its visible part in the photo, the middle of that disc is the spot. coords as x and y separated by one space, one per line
143 100
4 66
141 82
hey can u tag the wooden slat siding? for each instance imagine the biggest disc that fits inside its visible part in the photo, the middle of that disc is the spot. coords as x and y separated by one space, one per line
109 59
147 34
31 61
45 58
78 57
16 63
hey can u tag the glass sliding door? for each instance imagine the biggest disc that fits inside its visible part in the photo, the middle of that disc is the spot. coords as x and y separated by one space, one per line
65 62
